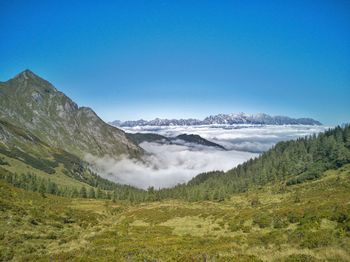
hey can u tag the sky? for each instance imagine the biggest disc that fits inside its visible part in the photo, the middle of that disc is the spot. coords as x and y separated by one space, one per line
144 59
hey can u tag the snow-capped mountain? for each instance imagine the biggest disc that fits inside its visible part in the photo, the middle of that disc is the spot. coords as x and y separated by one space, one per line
222 119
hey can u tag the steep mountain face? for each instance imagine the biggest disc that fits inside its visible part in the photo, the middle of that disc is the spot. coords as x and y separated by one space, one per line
222 119
34 104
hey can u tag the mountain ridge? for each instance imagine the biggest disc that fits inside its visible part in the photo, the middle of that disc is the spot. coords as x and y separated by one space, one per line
139 138
33 103
221 119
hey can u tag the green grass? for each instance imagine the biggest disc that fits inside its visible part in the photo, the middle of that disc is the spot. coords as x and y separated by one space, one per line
19 167
304 222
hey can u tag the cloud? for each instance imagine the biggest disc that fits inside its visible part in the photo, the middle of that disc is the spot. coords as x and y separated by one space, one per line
167 165
242 137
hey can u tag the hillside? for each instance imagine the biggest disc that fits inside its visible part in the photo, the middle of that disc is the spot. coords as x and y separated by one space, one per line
33 104
290 162
289 204
305 222
28 162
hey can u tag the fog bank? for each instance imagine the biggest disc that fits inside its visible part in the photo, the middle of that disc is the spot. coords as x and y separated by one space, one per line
167 165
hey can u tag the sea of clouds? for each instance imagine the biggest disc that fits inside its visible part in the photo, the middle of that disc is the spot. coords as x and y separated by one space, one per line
166 165
252 138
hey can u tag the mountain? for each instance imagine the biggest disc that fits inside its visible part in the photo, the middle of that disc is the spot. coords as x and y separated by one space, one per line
222 119
34 104
138 138
196 139
289 204
263 119
20 147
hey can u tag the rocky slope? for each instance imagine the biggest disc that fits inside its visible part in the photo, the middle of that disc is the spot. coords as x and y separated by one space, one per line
34 104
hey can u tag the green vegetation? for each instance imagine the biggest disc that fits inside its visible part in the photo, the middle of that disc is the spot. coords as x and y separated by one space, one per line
275 228
29 163
289 204
288 163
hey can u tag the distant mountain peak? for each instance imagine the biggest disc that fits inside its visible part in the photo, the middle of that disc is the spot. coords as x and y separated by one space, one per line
223 119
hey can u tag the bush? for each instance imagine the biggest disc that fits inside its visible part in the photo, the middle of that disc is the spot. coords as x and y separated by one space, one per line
293 217
255 201
279 222
234 226
300 258
3 162
6 254
316 239
263 220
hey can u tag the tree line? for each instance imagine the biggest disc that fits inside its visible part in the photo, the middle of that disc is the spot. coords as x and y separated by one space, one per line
290 162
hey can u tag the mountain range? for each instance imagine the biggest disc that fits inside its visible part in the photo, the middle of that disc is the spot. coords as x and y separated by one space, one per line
221 119
291 201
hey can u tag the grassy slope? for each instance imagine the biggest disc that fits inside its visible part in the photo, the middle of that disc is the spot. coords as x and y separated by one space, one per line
305 222
22 153
16 166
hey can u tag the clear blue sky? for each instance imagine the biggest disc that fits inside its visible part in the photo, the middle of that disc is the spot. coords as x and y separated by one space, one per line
143 59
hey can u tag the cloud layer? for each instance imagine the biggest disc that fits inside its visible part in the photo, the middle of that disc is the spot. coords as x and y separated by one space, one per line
168 165
241 137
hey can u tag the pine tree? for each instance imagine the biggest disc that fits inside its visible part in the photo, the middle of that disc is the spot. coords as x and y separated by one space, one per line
92 192
82 192
42 187
99 193
75 193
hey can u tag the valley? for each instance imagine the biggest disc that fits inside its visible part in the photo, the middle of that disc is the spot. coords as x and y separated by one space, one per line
175 131
179 193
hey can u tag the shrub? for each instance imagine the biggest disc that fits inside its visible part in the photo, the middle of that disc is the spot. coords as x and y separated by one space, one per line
300 258
321 238
293 217
263 220
3 162
255 201
279 222
6 254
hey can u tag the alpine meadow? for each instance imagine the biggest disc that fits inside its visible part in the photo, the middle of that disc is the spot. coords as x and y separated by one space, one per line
175 131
